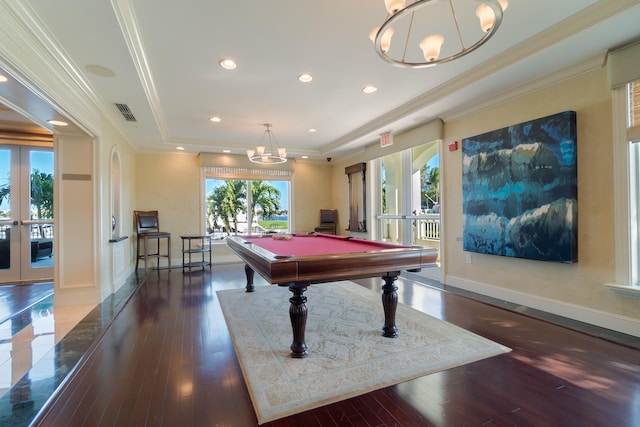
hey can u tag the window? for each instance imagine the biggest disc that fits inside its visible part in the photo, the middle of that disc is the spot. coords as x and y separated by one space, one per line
633 136
626 117
624 81
238 206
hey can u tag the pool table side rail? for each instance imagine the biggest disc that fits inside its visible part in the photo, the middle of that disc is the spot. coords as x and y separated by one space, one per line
335 267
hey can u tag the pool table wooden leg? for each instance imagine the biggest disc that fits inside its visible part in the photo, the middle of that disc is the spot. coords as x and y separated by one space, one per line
248 271
298 315
390 304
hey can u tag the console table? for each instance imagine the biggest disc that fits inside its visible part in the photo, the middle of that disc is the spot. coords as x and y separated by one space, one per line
198 246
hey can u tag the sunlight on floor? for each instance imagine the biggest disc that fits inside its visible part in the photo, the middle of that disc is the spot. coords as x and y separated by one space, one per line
30 338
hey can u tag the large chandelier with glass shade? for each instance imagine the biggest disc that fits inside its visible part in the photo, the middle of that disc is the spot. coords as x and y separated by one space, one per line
431 32
267 153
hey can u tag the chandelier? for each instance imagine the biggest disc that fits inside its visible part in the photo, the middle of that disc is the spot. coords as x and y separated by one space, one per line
264 155
411 19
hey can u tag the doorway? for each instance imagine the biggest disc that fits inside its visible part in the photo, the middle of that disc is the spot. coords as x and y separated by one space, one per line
26 213
408 199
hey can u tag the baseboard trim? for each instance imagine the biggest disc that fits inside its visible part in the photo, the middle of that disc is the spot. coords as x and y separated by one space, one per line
226 259
623 324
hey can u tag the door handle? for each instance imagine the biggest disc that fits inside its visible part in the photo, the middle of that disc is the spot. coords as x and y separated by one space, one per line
15 222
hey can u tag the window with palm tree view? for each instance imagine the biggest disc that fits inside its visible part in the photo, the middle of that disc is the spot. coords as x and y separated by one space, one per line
246 207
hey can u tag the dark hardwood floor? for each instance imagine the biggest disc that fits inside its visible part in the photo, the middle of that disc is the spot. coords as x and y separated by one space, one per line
167 359
15 298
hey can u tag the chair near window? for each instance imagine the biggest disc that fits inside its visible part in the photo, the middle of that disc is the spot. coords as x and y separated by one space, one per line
148 229
328 221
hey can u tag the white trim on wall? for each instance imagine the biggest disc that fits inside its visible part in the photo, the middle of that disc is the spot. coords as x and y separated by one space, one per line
599 318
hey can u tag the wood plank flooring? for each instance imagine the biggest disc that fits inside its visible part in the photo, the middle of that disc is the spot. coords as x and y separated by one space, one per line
168 360
16 298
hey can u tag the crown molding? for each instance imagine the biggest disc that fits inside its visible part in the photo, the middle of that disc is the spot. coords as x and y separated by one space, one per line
36 59
590 64
563 30
126 17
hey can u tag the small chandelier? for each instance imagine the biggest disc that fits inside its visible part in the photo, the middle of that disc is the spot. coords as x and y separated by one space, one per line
264 155
489 12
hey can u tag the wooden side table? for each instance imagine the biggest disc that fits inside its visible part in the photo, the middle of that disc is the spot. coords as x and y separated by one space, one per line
195 244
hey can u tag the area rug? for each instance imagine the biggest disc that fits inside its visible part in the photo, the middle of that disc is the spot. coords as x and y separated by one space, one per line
348 356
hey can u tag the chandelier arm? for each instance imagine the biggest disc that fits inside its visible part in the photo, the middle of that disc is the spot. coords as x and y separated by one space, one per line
455 19
270 157
419 4
406 42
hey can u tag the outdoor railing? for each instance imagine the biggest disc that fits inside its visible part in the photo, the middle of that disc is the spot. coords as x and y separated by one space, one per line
429 228
425 226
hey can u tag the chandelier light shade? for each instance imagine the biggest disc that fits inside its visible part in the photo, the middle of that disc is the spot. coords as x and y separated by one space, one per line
431 46
268 155
386 38
440 30
394 6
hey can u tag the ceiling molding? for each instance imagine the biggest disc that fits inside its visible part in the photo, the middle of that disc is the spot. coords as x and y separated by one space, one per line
126 17
590 64
63 87
32 49
561 31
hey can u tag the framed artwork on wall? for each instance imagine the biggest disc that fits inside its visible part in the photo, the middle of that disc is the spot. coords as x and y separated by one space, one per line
519 190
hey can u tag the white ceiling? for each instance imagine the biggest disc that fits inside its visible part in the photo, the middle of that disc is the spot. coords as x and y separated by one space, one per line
164 58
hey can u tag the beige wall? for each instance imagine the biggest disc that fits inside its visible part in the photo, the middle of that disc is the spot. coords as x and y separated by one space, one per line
173 185
574 290
578 284
117 264
312 187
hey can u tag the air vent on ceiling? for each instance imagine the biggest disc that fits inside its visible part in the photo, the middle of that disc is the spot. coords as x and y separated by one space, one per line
126 112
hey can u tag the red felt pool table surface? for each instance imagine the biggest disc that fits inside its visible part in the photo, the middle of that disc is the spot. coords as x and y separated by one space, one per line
318 244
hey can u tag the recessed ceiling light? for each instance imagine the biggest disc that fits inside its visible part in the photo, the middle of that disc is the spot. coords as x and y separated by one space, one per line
3 79
304 157
369 89
228 64
312 130
180 148
226 151
305 78
58 123
215 119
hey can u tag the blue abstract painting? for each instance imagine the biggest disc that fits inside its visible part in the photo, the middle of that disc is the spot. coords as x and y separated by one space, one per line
519 190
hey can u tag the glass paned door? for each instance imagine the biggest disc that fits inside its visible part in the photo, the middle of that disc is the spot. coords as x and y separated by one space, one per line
26 213
410 197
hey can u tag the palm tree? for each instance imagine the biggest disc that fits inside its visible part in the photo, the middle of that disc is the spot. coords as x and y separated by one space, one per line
267 197
42 193
430 186
5 190
227 202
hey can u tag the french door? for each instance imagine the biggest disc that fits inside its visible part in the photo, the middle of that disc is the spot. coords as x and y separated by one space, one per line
26 213
409 197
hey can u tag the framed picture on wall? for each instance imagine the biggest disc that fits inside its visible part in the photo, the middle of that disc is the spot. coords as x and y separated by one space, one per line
519 190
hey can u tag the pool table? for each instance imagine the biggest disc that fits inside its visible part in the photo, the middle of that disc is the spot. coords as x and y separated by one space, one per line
300 260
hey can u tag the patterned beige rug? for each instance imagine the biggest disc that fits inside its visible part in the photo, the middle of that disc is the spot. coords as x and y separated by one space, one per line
348 356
